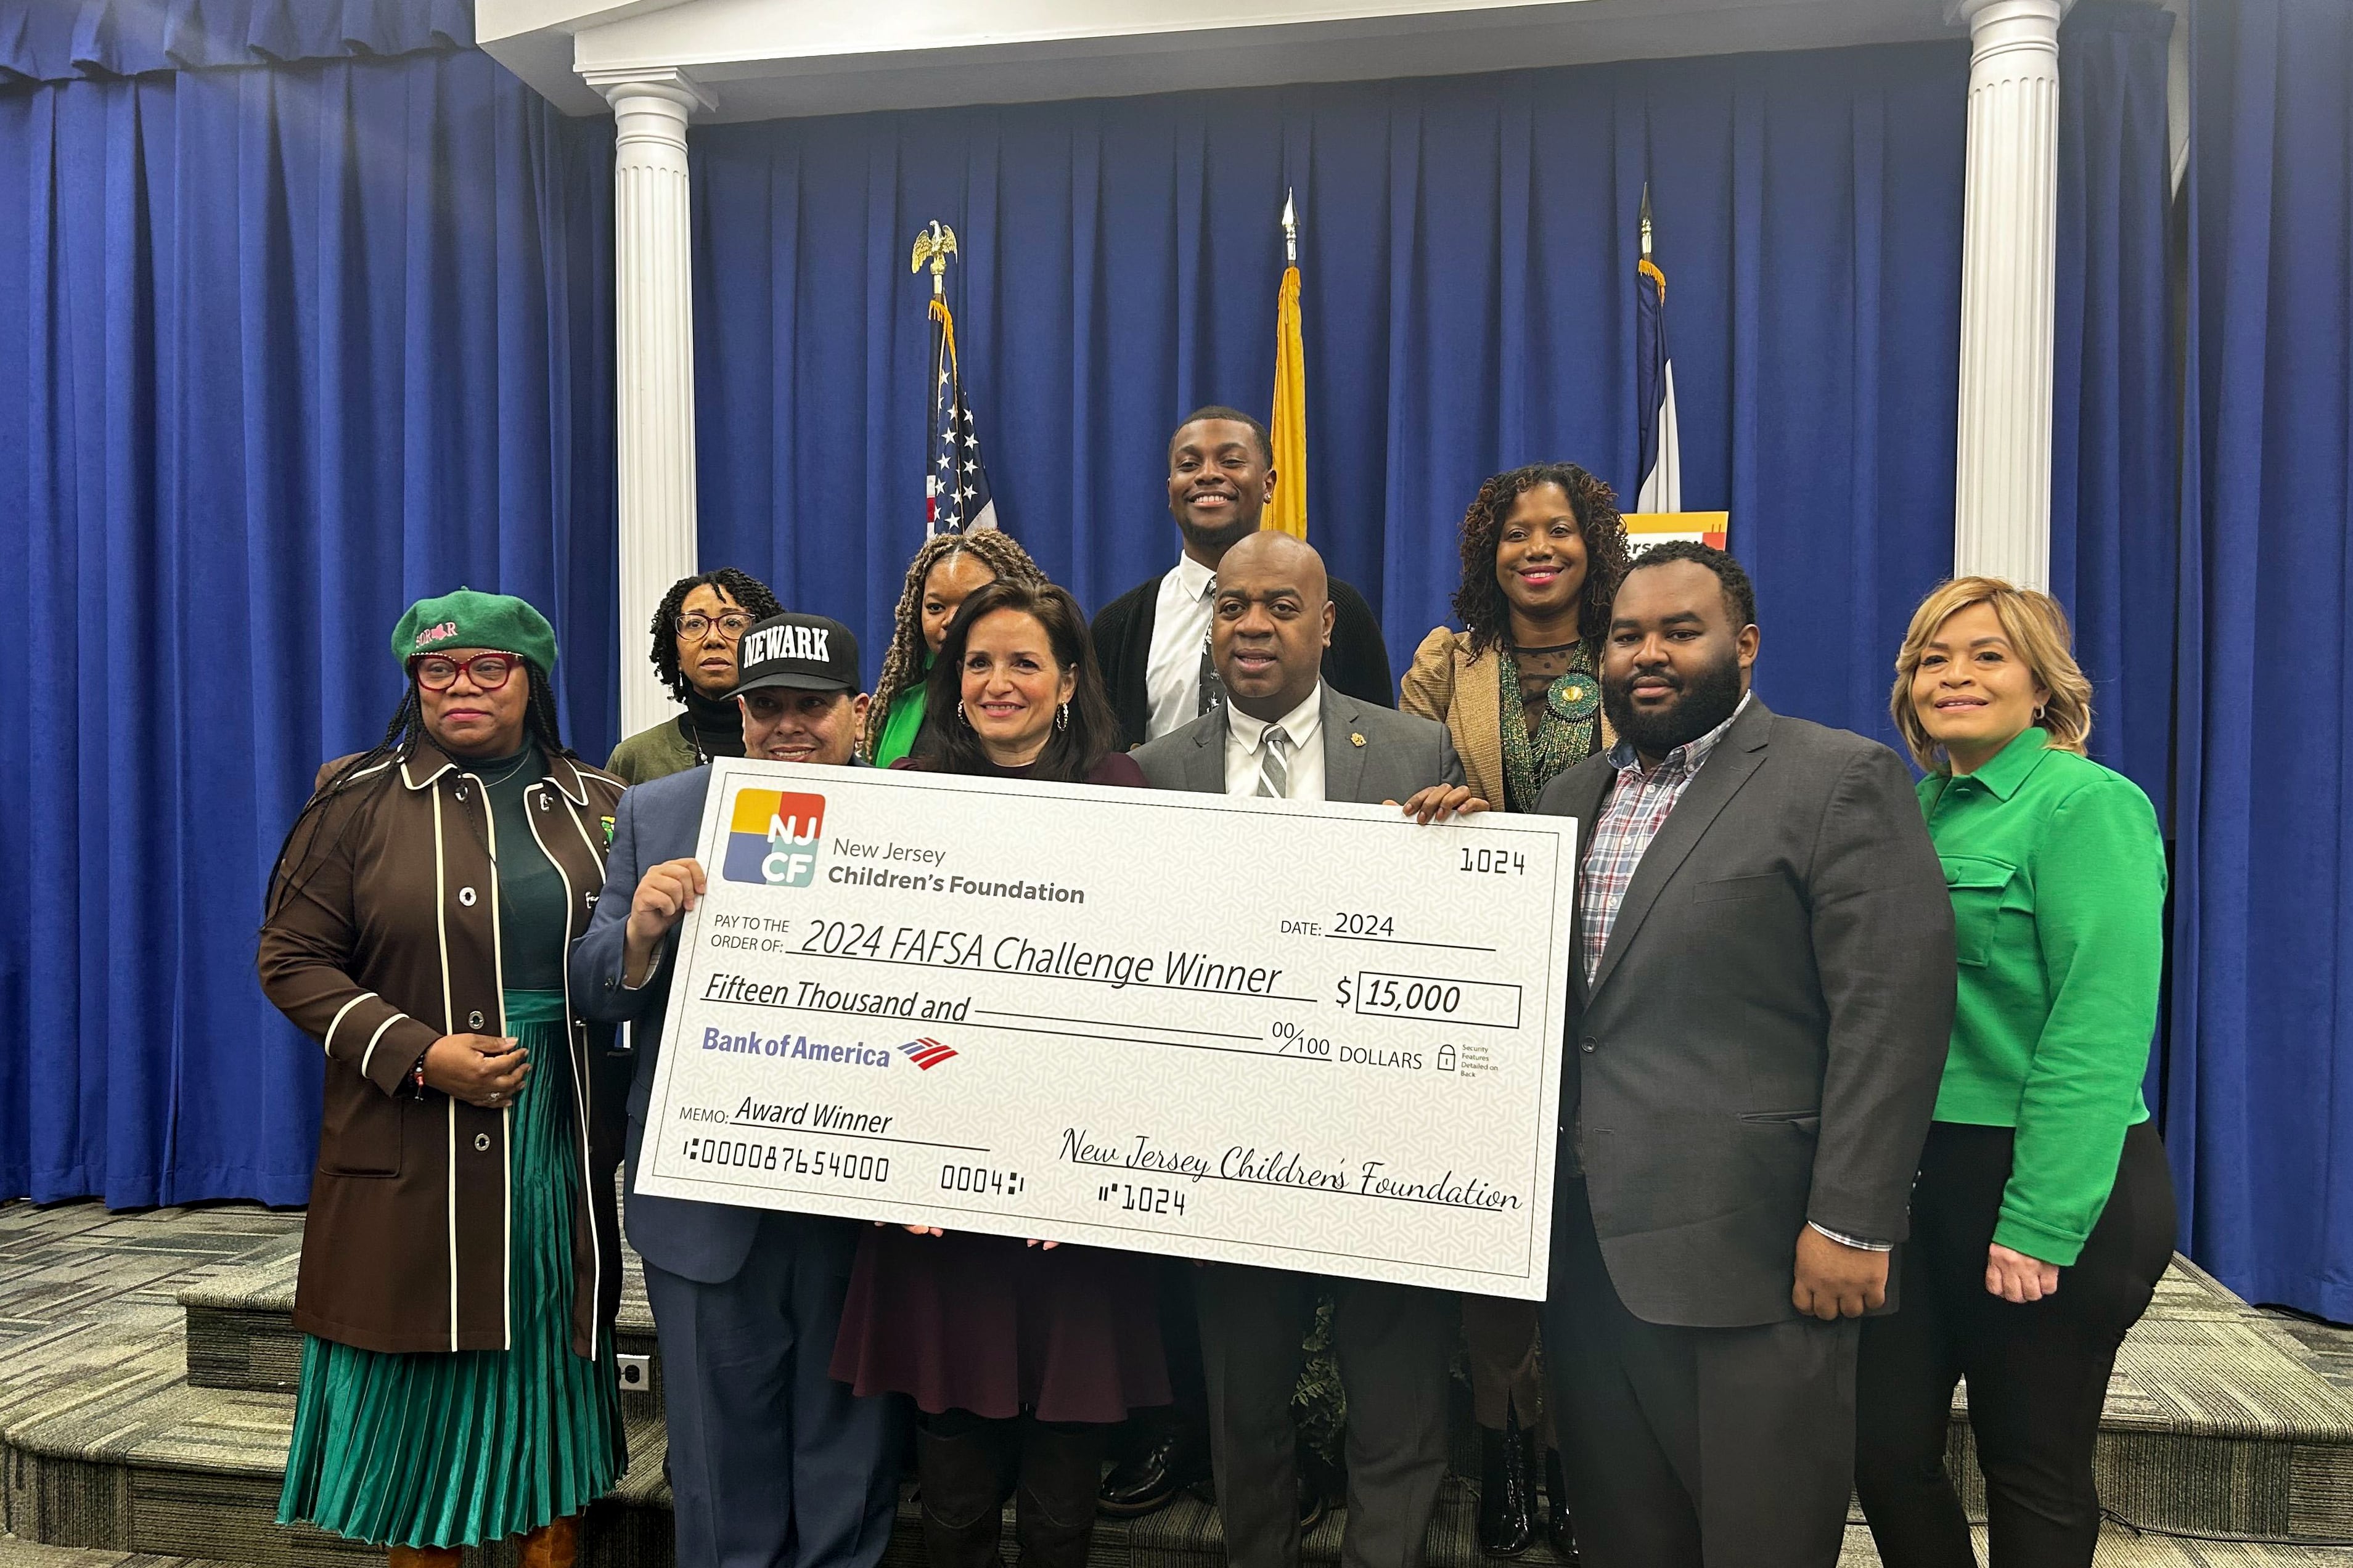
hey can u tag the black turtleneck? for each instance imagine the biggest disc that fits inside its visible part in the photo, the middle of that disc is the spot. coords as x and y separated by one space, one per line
713 726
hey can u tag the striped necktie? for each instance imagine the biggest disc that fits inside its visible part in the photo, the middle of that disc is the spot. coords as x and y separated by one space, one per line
1274 773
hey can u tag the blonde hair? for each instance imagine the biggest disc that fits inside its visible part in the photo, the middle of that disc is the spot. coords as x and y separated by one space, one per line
2038 633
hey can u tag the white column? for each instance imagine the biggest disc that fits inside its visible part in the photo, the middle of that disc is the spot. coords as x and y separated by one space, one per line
654 299
2001 517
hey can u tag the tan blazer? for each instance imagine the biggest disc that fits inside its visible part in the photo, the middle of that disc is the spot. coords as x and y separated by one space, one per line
1446 683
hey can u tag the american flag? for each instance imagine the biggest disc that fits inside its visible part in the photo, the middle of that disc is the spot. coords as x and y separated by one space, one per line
956 486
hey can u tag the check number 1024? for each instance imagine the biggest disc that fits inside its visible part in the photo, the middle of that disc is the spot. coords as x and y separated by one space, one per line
1495 862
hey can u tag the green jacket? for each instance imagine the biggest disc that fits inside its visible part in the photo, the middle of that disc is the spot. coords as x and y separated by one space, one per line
2057 875
654 753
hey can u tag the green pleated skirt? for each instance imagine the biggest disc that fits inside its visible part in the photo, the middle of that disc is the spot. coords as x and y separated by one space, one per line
462 1447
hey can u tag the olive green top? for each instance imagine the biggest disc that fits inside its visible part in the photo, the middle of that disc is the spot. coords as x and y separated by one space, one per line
2057 874
653 753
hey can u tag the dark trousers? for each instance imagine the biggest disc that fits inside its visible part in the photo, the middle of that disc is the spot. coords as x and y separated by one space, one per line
1185 1416
967 1466
1688 1448
2038 1371
1500 1339
1393 1344
772 1463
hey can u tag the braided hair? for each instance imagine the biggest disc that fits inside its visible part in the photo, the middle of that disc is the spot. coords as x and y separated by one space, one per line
373 768
902 666
1480 603
739 585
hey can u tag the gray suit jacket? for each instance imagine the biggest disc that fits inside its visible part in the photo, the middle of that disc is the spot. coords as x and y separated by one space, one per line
1401 753
1762 1043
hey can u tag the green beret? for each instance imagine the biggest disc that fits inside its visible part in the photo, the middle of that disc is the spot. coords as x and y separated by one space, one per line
467 619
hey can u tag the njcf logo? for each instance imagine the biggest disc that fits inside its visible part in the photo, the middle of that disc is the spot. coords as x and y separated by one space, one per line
772 837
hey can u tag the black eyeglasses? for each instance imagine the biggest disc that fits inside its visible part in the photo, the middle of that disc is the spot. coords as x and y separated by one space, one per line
488 672
697 626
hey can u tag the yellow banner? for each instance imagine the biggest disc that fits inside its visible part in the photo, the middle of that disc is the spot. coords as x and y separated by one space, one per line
1288 510
1644 529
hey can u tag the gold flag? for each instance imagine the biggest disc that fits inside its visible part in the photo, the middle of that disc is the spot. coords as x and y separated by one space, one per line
1288 510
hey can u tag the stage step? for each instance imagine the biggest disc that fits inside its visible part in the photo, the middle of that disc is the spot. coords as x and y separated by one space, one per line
143 1408
2214 1421
241 1334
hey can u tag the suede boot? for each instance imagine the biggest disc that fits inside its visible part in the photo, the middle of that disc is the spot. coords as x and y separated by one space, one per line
960 1466
1054 1507
555 1545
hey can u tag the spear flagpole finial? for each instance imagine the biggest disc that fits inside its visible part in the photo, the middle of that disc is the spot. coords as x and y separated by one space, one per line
1290 229
935 243
1646 220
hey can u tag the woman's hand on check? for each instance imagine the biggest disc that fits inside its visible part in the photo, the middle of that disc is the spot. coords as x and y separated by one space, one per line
920 1229
1440 802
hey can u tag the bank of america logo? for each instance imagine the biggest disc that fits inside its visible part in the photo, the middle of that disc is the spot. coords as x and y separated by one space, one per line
925 1054
772 837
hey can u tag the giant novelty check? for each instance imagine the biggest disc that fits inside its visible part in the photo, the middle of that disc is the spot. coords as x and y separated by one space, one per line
1319 1037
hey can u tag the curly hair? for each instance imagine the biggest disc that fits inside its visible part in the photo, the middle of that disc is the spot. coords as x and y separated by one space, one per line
902 665
1485 613
1739 593
741 587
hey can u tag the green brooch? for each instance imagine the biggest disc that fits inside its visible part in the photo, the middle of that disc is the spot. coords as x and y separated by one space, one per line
1574 697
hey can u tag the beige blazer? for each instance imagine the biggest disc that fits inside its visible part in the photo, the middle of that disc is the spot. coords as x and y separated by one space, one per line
1446 683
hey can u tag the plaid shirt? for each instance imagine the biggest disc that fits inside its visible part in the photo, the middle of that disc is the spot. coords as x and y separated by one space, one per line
1637 808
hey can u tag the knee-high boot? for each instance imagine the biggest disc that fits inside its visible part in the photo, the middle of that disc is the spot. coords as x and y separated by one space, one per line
960 1466
426 1556
555 1545
1054 1509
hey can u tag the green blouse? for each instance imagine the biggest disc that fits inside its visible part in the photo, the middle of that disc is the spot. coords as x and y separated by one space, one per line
900 723
534 928
2057 875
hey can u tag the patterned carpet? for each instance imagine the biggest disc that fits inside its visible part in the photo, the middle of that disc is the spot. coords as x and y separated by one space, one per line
2220 1415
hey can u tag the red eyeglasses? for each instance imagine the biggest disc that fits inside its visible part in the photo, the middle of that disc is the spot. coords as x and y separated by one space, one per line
488 672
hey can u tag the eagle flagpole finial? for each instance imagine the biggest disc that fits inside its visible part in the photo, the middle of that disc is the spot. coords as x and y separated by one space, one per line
935 244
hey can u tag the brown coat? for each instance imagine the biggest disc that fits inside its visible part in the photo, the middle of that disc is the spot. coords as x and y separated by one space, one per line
390 941
1447 683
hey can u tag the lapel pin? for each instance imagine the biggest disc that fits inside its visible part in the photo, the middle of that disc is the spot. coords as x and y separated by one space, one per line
1355 739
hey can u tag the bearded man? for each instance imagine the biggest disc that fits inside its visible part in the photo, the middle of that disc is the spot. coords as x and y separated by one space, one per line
1759 1009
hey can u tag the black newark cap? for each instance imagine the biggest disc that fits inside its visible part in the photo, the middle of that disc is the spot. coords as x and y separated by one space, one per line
803 653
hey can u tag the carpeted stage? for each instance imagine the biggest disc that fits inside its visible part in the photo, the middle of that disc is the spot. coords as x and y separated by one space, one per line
146 1371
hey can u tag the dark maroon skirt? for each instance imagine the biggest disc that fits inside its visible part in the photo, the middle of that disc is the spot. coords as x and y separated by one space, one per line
966 1322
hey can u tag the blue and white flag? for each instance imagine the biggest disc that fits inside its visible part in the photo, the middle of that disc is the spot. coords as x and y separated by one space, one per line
1661 459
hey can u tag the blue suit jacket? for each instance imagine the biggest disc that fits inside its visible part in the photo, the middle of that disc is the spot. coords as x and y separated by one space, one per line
657 821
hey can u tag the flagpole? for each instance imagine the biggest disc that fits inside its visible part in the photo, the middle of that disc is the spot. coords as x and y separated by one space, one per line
934 243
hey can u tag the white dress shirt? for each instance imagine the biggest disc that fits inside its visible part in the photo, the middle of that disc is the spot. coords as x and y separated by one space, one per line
1180 625
1246 744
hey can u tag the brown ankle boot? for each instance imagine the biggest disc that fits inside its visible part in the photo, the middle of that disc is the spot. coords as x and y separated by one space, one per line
426 1556
555 1545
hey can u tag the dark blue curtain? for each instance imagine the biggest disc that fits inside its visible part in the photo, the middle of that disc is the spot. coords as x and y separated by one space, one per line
282 347
2116 445
1467 246
2261 1120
